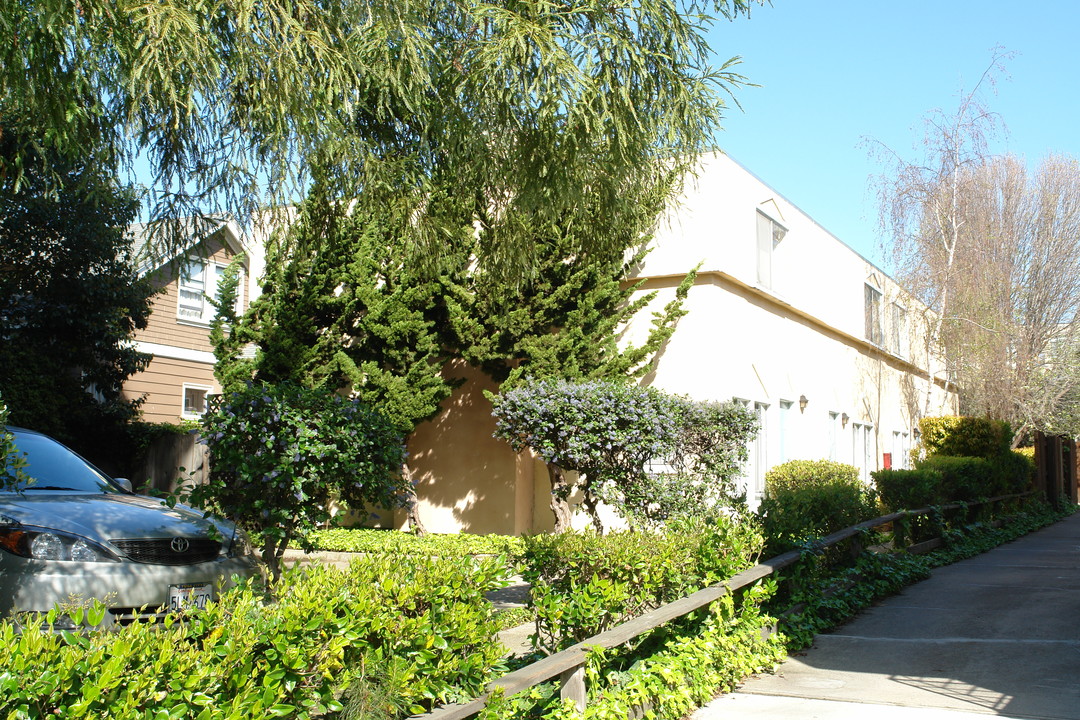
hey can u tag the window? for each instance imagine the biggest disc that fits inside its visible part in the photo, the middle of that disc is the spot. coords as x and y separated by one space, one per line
759 455
769 235
784 430
898 326
195 400
834 436
873 314
863 455
901 450
199 279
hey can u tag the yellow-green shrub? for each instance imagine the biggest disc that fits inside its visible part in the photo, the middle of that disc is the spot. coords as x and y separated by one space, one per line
240 658
584 583
807 499
962 436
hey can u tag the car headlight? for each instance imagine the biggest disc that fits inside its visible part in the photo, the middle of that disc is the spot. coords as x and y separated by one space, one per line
44 544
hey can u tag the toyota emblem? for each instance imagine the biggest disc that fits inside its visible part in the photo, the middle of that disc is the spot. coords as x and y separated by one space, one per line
179 545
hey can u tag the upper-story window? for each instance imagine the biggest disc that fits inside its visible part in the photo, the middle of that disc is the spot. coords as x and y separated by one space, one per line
769 235
898 330
873 314
198 283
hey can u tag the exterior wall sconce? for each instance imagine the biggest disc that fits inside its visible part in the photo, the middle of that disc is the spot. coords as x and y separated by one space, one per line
802 403
843 420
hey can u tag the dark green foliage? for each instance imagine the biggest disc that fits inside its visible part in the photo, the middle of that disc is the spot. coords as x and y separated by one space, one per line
965 459
344 307
962 478
420 628
612 432
70 299
583 583
908 489
965 436
281 453
1014 472
807 499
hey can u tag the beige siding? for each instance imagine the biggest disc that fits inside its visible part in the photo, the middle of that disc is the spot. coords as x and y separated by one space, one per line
162 384
164 327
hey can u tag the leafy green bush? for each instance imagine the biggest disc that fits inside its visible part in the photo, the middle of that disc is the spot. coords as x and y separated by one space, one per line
1013 471
963 479
908 489
280 453
583 583
395 542
962 436
610 432
807 499
421 625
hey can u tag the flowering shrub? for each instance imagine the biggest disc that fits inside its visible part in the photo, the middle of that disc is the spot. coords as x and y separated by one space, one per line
280 453
650 455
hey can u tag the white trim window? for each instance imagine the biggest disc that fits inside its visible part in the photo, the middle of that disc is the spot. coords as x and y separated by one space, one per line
769 235
872 301
193 401
197 285
898 326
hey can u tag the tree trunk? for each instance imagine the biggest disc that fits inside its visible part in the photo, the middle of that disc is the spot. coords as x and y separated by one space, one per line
413 503
591 508
560 489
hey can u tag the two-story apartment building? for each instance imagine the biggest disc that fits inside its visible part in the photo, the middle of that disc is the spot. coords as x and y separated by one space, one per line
783 318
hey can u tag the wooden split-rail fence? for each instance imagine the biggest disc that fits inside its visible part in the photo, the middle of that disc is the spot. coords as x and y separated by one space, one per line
569 664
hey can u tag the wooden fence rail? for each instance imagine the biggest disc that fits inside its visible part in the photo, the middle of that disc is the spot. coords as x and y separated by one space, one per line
569 664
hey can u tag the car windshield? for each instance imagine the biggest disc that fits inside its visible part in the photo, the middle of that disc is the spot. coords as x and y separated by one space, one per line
51 466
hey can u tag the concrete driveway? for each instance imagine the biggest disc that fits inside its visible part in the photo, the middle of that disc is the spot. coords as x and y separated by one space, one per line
998 634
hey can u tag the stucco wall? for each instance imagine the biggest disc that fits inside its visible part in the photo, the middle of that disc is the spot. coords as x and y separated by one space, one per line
466 479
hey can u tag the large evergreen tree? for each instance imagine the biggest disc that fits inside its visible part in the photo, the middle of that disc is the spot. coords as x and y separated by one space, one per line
70 299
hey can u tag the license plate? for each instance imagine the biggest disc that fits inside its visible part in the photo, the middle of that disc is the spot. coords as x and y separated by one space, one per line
189 595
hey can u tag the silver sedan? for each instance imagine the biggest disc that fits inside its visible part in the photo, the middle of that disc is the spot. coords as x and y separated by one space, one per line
70 535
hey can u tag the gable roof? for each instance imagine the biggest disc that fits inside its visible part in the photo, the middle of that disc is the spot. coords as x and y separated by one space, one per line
157 244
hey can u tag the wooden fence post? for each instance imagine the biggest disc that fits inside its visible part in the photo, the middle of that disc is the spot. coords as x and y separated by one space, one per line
573 687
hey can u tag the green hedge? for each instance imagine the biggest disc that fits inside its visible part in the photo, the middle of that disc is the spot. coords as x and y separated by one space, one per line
395 542
807 499
961 436
943 479
422 625
583 583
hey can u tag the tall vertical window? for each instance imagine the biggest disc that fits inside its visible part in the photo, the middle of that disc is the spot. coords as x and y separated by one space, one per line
873 314
759 453
834 436
769 235
898 330
901 450
784 431
198 284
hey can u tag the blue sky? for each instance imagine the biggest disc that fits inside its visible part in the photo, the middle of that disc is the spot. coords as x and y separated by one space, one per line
834 74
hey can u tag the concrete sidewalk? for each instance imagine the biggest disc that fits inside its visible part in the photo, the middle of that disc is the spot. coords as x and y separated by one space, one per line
997 634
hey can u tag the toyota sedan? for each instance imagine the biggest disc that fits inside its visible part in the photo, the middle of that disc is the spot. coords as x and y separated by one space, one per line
69 534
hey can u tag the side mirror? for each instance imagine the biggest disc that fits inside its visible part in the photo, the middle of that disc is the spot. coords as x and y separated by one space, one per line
124 483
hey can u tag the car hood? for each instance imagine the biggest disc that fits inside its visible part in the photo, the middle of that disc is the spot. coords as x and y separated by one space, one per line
105 516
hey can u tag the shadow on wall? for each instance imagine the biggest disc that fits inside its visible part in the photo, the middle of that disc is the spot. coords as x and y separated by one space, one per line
466 479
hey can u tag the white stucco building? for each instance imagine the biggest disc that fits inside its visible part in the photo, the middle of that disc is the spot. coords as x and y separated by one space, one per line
824 347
